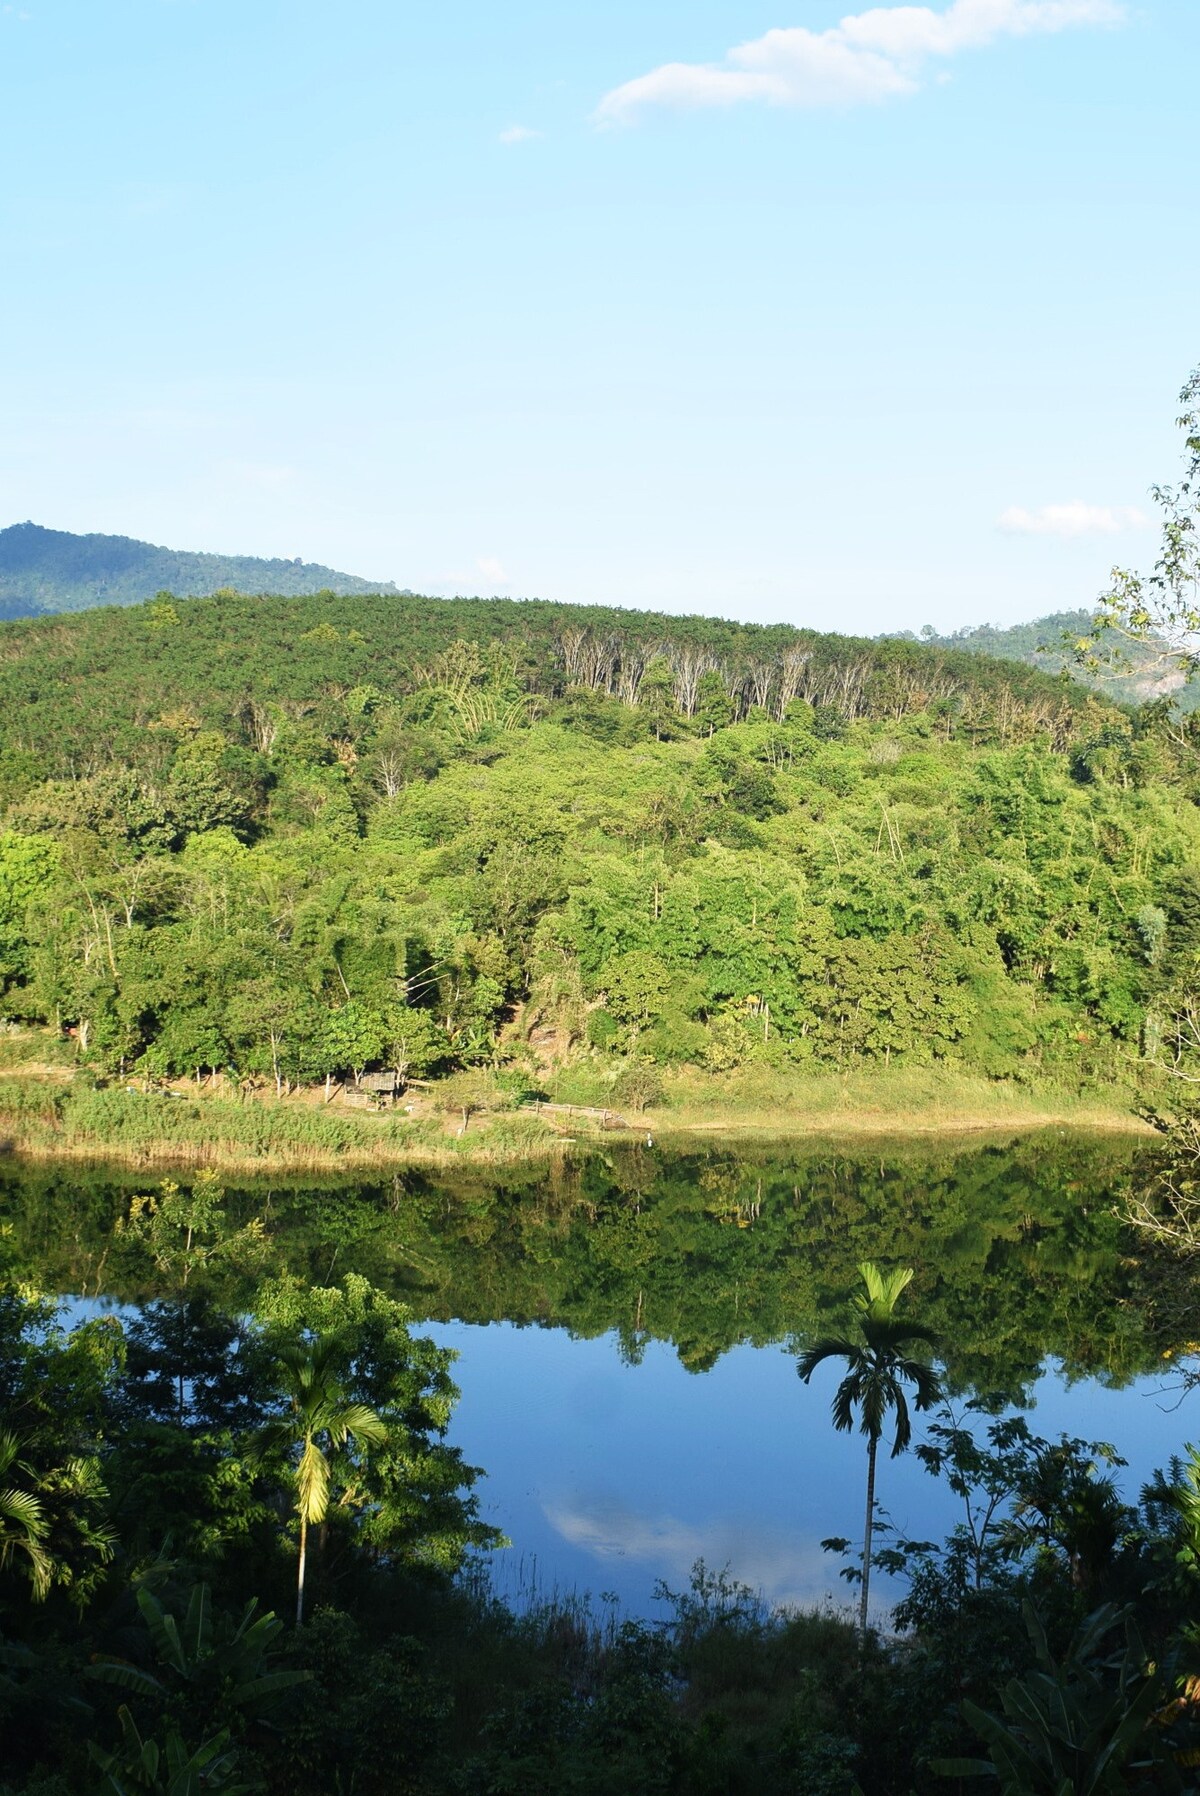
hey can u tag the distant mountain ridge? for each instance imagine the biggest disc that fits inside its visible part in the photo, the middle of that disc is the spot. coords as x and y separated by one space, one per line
1044 642
54 570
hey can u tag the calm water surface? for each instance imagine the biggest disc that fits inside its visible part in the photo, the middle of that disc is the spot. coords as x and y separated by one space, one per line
609 1477
626 1331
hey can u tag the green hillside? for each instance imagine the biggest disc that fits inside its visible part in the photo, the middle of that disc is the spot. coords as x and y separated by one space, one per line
298 837
53 570
74 689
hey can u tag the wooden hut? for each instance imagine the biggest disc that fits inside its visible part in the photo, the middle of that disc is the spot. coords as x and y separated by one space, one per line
384 1087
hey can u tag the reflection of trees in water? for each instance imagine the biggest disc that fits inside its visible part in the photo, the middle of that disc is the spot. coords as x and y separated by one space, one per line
1018 1249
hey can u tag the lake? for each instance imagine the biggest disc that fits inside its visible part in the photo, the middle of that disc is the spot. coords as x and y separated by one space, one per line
626 1327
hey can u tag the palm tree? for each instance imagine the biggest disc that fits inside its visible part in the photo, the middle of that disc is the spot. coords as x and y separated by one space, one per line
321 1418
878 1369
23 1524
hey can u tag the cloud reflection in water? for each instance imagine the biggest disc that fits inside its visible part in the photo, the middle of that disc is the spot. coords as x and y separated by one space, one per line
784 1569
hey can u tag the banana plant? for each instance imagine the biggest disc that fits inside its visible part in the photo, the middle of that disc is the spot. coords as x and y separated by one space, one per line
1081 1727
213 1666
167 1768
195 1649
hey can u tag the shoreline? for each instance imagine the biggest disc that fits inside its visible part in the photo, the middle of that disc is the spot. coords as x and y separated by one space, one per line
51 1112
494 1150
866 1124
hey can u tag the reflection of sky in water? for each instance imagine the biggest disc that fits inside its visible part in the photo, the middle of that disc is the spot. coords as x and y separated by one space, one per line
608 1476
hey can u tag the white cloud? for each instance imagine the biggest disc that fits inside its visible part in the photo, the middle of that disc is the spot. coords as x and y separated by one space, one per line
1075 518
873 55
518 134
491 569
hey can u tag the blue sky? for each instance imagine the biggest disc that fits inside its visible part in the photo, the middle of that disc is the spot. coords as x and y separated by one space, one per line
743 306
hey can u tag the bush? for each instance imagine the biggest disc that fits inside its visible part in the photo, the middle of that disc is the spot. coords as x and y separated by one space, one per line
638 1086
674 1039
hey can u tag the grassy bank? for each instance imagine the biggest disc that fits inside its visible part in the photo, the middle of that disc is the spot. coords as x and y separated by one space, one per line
49 1112
901 1101
44 1119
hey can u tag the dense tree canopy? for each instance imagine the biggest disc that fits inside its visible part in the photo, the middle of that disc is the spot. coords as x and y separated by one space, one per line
299 838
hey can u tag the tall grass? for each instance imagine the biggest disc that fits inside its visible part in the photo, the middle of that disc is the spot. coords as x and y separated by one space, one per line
29 1104
884 1100
40 1117
35 1049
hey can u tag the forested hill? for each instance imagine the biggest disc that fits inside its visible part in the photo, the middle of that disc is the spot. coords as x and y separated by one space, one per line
53 570
77 691
294 838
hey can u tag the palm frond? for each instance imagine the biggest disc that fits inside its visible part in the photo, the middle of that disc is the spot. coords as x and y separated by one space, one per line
312 1483
874 1405
883 1289
845 1397
828 1347
360 1421
903 1420
928 1385
10 1447
28 1541
887 1334
23 1509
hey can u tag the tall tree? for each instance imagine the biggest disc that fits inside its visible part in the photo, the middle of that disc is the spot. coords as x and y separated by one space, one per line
879 1365
320 1419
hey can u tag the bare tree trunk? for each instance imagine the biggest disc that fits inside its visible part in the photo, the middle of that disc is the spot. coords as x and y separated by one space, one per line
300 1572
868 1530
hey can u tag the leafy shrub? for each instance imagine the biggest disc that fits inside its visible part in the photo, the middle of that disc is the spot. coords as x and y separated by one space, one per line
638 1086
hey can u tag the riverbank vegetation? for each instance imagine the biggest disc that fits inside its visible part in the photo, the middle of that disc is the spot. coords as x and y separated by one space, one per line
625 854
51 1108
